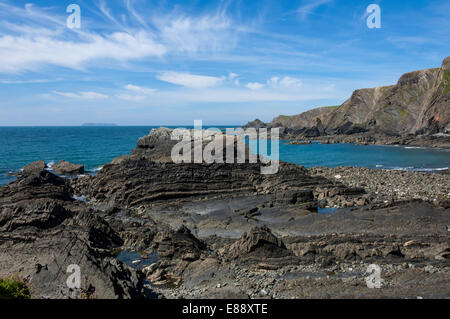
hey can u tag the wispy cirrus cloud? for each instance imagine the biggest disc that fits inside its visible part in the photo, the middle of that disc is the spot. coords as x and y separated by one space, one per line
82 95
24 53
24 81
309 6
42 39
196 34
189 80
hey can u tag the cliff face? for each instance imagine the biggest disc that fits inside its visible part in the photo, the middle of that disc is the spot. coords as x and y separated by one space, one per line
418 104
306 119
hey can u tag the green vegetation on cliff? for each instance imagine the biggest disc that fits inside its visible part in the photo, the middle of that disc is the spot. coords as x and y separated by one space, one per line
446 82
13 288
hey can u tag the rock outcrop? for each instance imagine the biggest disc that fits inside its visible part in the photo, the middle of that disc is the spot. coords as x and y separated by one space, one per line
176 250
158 144
34 167
258 243
43 231
66 168
142 182
256 124
147 177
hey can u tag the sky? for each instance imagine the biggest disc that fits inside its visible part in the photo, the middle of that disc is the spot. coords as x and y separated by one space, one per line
160 62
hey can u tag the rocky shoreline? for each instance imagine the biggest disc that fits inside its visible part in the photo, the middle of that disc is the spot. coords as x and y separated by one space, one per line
225 230
393 185
426 141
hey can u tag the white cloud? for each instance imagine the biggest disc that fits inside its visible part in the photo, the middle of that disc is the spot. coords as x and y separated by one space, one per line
139 89
140 93
273 81
254 85
130 97
190 80
41 39
195 34
289 82
23 81
82 95
233 95
308 6
276 82
19 53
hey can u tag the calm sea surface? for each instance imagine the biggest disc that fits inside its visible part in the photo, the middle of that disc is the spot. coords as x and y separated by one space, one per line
96 146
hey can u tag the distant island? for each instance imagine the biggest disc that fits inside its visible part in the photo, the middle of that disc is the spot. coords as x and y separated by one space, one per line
99 124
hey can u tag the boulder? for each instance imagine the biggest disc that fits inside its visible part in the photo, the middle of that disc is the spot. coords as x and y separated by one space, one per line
176 250
34 167
259 242
66 168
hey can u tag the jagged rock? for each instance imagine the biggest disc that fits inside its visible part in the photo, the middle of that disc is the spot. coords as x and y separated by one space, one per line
43 231
34 185
176 250
34 167
255 124
66 168
144 178
158 144
259 242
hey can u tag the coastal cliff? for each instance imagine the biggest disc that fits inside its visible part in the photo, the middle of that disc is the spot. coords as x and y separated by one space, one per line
419 104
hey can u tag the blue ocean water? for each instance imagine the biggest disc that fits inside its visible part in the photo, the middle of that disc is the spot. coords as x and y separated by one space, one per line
96 146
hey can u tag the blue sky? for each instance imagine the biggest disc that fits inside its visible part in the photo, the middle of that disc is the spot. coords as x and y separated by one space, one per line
136 62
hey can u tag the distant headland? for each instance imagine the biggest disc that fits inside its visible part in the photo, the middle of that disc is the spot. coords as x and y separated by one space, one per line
99 124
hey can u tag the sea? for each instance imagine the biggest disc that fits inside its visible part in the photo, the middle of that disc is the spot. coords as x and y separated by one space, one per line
95 146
